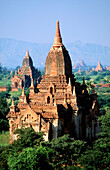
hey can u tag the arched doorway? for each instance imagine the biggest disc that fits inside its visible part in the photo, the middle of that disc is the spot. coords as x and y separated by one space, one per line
48 100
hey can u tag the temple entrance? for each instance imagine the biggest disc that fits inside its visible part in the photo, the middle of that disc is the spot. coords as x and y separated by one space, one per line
48 100
16 84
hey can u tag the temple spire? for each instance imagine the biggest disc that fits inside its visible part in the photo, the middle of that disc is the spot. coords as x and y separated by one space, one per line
27 53
69 82
13 102
74 93
57 30
57 39
98 63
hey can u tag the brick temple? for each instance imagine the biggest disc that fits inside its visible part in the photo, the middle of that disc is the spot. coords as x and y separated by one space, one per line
58 105
99 67
23 75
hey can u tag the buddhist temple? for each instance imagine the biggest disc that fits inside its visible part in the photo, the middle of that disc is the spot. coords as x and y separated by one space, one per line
99 67
58 105
23 75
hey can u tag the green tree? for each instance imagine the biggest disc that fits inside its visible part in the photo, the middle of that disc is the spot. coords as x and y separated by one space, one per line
105 125
27 138
29 158
66 150
98 156
89 86
8 87
3 158
4 109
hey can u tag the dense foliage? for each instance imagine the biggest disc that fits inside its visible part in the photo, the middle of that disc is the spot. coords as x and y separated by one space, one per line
4 109
30 151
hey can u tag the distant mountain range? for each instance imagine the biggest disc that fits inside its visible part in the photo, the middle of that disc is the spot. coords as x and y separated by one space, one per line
13 51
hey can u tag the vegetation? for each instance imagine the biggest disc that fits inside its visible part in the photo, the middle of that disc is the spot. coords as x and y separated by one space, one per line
4 76
103 98
98 156
94 77
4 109
29 151
4 138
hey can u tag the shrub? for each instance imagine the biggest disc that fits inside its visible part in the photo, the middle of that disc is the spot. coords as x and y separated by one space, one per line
29 158
27 138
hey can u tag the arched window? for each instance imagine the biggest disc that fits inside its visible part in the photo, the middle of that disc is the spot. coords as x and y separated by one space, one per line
48 100
51 90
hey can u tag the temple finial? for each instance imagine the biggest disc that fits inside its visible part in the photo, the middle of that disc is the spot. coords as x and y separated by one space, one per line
74 93
23 92
69 82
57 39
99 63
13 102
57 30
27 53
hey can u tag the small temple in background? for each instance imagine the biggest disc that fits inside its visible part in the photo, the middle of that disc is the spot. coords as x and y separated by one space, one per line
58 105
23 75
99 67
108 67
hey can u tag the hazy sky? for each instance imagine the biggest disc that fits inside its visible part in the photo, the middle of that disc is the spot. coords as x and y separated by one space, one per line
35 20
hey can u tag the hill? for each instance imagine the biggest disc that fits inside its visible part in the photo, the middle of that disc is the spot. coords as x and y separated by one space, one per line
13 51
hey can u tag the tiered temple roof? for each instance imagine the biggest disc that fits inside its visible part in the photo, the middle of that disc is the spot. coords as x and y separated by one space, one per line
23 75
59 104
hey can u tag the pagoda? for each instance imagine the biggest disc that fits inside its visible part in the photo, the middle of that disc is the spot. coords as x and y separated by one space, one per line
23 75
99 67
58 105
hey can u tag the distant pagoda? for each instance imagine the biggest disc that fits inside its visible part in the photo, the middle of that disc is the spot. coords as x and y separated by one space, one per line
23 75
99 67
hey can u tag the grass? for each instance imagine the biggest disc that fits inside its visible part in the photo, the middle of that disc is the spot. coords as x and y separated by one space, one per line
4 138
